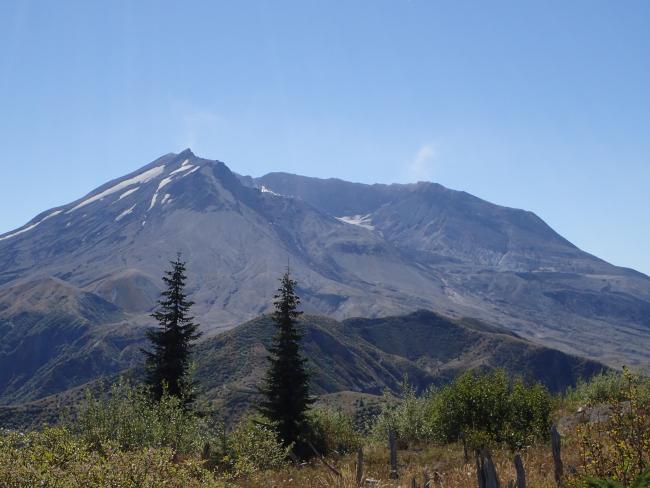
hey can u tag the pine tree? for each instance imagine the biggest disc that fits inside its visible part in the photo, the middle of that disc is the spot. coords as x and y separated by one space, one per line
168 362
286 385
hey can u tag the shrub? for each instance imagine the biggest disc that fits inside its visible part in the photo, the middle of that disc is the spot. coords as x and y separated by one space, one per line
605 387
488 407
333 431
641 481
529 413
128 418
412 417
253 447
365 416
56 458
618 447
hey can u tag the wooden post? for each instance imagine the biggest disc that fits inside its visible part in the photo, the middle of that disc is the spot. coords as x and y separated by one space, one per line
521 473
392 444
360 466
205 455
480 476
491 478
556 446
486 473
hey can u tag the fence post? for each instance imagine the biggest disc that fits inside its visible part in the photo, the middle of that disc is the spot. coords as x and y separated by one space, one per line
556 446
392 441
491 478
480 476
360 466
486 473
521 473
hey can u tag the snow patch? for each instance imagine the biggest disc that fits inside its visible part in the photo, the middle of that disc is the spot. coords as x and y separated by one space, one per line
166 198
129 192
148 175
191 171
264 189
184 167
359 220
32 226
162 184
124 214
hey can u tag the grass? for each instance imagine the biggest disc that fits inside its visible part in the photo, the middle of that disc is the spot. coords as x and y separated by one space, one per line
445 466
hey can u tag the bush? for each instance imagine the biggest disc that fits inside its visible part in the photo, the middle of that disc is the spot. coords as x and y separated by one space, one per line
477 408
529 415
253 447
333 431
56 458
128 418
618 447
605 387
488 407
411 418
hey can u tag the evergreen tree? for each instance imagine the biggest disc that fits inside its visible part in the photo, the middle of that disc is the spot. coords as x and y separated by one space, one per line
168 362
286 385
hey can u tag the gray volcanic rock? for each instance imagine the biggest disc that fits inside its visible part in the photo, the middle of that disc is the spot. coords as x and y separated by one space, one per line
500 264
356 250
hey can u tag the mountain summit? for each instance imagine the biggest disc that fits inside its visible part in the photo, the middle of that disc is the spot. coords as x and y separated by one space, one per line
355 249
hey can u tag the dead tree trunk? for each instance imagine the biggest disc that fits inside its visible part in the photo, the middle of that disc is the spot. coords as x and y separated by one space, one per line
521 473
556 446
480 478
486 473
360 466
392 443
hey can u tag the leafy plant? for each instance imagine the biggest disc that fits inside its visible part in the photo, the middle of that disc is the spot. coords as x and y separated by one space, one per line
641 481
253 447
618 447
332 431
56 458
411 418
489 407
128 417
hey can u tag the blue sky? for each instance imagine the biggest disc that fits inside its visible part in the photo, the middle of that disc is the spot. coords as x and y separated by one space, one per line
542 105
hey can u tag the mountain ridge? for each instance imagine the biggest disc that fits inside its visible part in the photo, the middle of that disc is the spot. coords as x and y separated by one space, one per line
356 250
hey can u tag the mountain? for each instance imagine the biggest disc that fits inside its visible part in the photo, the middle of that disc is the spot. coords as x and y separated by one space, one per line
373 355
56 336
78 282
354 357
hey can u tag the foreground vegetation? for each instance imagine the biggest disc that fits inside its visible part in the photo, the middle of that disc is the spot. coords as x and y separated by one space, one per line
154 434
126 439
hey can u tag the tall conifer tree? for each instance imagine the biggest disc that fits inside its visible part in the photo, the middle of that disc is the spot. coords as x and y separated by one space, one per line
286 385
168 362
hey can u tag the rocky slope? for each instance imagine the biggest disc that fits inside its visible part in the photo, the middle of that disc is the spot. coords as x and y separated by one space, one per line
78 282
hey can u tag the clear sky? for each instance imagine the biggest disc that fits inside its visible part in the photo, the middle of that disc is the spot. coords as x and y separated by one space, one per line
542 105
